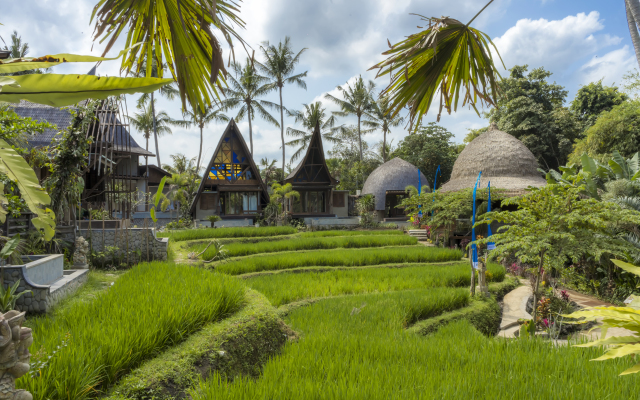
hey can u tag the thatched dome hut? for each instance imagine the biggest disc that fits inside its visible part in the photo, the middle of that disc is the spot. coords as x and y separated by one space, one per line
503 160
388 182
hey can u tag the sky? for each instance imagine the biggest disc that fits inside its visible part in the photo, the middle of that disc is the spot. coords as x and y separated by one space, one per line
579 41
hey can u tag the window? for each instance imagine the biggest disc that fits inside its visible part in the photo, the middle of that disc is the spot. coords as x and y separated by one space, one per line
208 201
237 203
338 199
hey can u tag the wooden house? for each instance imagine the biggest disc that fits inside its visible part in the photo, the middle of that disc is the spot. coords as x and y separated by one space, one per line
231 185
312 179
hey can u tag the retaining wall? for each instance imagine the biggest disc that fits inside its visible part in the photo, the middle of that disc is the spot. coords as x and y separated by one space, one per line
132 239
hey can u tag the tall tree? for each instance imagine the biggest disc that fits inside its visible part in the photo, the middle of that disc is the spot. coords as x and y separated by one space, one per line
168 91
429 147
311 116
594 98
279 65
247 87
269 172
203 118
447 58
149 123
181 165
344 162
20 49
633 19
532 109
381 117
358 101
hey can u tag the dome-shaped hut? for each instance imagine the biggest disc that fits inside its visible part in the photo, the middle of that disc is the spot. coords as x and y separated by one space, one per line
387 183
503 160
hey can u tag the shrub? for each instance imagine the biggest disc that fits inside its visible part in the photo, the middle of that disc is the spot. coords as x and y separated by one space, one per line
152 307
339 257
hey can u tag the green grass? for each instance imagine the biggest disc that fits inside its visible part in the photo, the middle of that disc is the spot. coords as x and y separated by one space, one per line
289 287
348 351
151 307
211 233
338 257
310 243
389 232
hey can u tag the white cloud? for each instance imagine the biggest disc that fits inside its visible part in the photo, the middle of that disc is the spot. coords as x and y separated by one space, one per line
610 67
557 44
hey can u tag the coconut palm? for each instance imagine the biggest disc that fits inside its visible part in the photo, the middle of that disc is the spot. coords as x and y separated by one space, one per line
246 89
181 165
168 91
380 118
149 123
358 101
311 116
633 19
183 31
20 49
279 65
268 170
282 194
448 57
203 118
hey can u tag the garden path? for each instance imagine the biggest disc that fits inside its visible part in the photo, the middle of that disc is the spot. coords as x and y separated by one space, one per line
514 307
589 301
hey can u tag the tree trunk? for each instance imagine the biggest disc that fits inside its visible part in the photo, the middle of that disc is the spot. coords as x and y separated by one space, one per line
146 184
200 152
250 132
482 277
359 138
155 133
384 146
633 13
282 133
536 286
473 276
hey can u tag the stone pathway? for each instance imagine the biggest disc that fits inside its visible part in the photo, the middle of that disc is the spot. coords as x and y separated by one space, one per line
514 308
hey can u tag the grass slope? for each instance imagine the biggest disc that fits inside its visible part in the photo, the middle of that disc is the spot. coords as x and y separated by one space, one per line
338 257
285 288
355 348
248 339
309 243
148 309
210 233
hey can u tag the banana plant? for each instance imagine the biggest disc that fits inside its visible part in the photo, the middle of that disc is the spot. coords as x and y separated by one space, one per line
156 200
615 317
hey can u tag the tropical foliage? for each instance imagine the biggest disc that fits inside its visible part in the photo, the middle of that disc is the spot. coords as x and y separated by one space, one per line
448 57
313 115
381 118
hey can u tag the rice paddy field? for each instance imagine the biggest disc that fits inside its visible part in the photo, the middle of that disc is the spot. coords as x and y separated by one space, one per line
369 315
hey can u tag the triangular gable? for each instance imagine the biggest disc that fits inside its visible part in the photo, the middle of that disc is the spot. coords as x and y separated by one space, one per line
313 167
231 163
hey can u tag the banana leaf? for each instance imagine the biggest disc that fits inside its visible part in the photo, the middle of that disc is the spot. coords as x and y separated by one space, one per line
27 63
16 168
60 90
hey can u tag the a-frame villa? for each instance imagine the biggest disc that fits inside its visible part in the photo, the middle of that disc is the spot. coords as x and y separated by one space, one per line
231 185
312 179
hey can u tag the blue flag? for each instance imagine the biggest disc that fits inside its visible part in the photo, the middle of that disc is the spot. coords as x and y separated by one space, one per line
474 248
419 192
490 245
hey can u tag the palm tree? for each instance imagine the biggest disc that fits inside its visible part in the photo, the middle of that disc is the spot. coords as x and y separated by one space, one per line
279 65
380 117
246 89
448 57
358 101
20 49
311 116
148 122
168 91
202 119
181 165
633 19
282 193
268 170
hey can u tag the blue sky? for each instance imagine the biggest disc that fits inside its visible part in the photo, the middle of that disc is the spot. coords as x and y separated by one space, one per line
579 41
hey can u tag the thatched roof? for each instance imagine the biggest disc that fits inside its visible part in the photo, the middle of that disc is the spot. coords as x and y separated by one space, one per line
396 175
503 160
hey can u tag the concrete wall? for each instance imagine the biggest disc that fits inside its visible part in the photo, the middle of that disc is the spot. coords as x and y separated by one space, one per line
131 239
42 297
341 212
328 223
44 269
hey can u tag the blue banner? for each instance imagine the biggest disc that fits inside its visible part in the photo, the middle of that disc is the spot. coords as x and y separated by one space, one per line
490 245
474 248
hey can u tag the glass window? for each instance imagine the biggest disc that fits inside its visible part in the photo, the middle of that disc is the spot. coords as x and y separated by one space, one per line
237 203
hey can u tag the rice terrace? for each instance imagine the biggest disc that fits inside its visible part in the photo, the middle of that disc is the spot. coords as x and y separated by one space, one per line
246 199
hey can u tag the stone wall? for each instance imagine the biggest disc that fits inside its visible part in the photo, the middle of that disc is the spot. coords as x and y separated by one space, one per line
42 297
132 239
